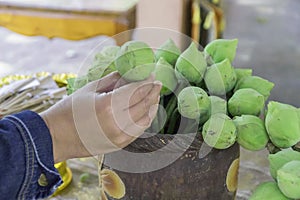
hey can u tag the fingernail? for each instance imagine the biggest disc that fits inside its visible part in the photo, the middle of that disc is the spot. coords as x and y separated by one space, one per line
157 83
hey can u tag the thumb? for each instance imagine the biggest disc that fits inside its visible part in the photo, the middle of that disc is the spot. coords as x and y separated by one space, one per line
106 83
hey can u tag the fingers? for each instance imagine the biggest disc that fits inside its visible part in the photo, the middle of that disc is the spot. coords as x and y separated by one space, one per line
124 116
147 119
131 94
121 82
113 81
138 110
136 129
107 83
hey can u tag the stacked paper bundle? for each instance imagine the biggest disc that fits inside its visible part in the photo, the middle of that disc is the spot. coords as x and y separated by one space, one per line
36 94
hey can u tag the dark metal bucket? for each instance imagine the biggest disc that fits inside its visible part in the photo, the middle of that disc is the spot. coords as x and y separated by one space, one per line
189 176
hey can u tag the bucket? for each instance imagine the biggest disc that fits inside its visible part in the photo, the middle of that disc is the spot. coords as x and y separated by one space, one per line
189 176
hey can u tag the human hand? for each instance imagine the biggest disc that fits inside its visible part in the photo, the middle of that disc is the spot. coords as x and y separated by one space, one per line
103 116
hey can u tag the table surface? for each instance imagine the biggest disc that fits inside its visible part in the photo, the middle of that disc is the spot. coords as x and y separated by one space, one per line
73 5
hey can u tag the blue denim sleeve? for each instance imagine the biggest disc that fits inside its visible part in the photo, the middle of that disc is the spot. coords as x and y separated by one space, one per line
26 158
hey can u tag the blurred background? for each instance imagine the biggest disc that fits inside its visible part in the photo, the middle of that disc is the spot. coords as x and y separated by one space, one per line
268 33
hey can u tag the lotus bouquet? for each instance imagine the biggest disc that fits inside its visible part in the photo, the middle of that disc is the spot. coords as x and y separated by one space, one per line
224 105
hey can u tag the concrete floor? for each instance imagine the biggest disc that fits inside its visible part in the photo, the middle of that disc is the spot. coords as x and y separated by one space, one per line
26 55
269 43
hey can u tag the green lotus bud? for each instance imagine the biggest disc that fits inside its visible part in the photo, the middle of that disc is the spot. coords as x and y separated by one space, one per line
268 191
100 68
70 87
169 51
191 64
76 83
110 51
95 73
259 84
279 159
135 61
218 105
283 124
274 106
219 131
221 49
246 102
220 78
288 179
251 132
165 73
108 70
103 63
241 73
193 103
99 57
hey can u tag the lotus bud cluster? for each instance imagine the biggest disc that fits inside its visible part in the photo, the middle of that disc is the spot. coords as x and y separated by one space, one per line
223 104
135 61
283 124
165 73
259 84
266 191
220 78
222 49
218 105
168 51
246 102
194 103
251 132
288 178
281 158
219 131
241 73
103 63
109 52
191 64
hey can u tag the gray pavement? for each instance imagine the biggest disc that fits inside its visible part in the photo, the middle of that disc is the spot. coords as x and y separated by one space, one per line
269 42
26 55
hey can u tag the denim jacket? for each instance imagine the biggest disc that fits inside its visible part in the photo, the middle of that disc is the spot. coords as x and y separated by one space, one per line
26 158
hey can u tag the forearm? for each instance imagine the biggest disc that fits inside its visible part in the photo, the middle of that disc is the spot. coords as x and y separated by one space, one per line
66 142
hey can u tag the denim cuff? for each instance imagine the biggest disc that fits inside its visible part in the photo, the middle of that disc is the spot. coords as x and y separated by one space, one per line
41 177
